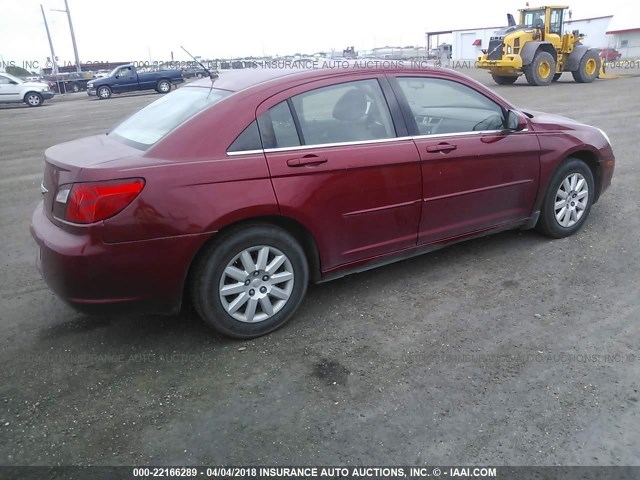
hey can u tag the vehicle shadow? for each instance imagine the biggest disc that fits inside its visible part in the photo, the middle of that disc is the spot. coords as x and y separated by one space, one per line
188 332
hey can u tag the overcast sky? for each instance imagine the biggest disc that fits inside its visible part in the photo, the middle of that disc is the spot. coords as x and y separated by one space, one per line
128 30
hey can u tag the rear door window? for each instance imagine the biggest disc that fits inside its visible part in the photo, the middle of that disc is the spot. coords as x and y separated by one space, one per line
347 112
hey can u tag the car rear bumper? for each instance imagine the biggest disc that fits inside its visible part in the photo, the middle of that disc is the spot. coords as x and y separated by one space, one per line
99 278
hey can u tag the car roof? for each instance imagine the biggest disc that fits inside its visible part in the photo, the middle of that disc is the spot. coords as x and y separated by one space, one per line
235 80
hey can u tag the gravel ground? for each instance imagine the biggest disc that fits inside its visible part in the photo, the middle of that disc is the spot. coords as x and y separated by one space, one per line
508 350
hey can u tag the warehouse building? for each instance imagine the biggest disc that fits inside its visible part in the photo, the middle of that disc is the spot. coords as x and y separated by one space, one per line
627 42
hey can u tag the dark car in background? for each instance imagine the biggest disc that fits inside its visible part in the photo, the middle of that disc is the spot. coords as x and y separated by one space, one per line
194 72
234 193
126 78
69 82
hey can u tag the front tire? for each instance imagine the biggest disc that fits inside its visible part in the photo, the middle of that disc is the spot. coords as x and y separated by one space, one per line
541 70
104 93
500 80
33 99
568 199
589 67
164 86
249 282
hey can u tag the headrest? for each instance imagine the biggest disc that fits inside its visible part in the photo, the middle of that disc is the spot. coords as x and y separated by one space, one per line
351 107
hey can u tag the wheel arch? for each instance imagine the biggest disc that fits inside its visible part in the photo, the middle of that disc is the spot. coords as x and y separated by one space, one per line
573 62
292 226
593 162
531 48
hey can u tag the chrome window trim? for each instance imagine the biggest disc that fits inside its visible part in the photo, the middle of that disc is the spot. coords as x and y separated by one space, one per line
367 142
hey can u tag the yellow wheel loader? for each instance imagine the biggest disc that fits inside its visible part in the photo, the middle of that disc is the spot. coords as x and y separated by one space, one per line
538 48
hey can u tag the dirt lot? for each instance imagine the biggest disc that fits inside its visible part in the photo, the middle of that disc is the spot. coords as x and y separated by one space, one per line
513 349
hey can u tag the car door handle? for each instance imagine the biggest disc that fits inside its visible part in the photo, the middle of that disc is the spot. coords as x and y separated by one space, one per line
307 161
441 147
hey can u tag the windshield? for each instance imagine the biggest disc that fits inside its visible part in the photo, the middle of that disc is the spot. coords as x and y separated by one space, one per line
153 122
533 18
11 77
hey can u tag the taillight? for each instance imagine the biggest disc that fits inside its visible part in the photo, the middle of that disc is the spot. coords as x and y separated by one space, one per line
92 202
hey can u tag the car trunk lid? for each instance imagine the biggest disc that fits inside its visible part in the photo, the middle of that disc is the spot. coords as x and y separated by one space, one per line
80 160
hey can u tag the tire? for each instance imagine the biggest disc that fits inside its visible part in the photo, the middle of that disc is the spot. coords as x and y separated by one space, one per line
209 278
504 80
541 70
198 75
33 99
164 86
104 93
75 88
556 77
589 67
558 222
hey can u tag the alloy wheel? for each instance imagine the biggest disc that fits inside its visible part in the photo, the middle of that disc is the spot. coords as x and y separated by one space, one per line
256 284
571 200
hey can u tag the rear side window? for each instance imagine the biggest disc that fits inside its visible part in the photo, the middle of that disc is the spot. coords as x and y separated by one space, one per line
442 106
278 128
348 112
249 139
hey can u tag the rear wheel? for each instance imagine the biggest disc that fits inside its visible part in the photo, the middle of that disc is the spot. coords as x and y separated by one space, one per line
588 68
500 80
250 281
164 86
541 70
568 199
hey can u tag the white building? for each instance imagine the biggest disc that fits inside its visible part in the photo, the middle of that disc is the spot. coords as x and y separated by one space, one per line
594 30
627 42
468 44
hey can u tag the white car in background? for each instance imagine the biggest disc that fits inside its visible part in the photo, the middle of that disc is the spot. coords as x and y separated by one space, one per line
14 90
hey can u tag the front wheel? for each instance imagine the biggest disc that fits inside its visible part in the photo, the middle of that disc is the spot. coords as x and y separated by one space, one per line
541 70
568 199
104 93
33 99
164 86
249 282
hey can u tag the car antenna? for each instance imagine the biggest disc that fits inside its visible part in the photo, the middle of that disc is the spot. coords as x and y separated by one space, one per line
212 76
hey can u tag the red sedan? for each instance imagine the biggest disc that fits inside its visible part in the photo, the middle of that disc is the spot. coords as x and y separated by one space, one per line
235 192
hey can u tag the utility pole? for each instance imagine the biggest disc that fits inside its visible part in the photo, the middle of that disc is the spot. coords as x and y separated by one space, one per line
73 36
54 68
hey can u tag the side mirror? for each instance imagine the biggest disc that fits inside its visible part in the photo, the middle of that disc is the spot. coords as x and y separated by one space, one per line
516 121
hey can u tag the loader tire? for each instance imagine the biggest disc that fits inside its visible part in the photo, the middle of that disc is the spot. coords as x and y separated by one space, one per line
589 67
504 80
541 70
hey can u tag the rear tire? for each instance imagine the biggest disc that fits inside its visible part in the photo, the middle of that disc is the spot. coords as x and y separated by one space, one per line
568 199
500 80
589 67
164 86
33 99
250 281
542 69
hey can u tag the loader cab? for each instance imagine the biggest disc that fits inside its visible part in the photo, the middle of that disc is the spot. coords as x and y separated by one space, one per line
548 20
